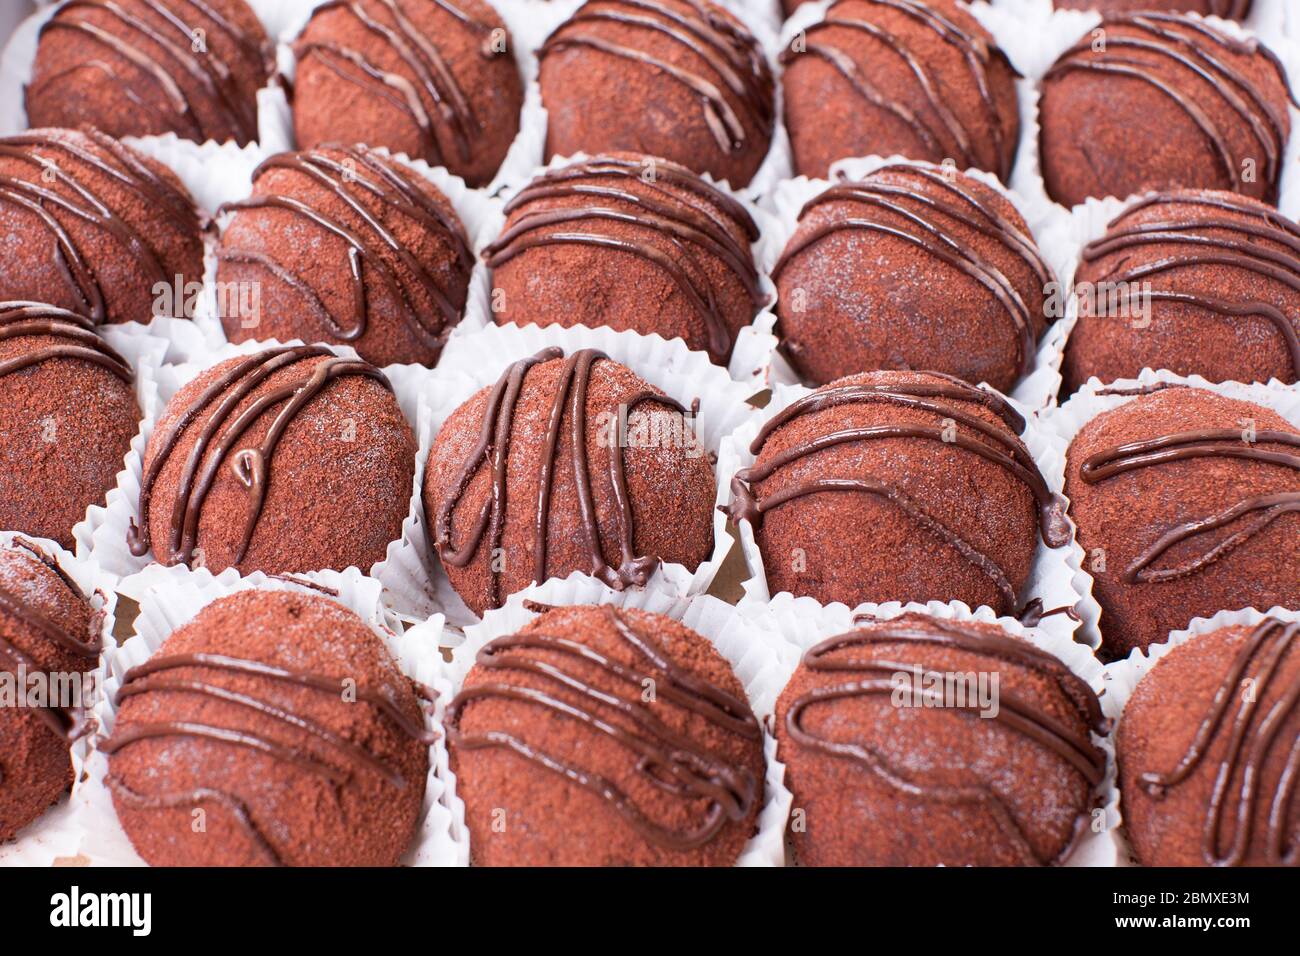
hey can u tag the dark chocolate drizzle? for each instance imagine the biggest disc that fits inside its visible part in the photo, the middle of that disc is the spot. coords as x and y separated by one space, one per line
1253 734
493 451
1190 46
168 31
43 201
672 762
1017 714
219 435
998 445
975 50
433 77
390 187
671 217
156 675
1262 510
731 54
912 204
80 340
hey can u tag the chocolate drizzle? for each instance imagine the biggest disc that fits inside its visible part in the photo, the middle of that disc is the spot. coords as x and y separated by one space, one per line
671 761
940 398
360 169
492 449
651 205
1260 510
428 87
157 675
80 340
975 51
1017 714
220 433
1241 249
135 37
938 193
110 158
741 82
1253 733
1176 47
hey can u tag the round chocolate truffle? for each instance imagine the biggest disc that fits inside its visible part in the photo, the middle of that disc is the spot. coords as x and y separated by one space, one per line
682 79
564 759
147 67
431 78
1197 282
93 226
281 723
894 763
899 77
68 412
566 464
897 486
1187 503
1231 9
288 459
1219 103
1206 751
912 267
344 246
629 242
47 626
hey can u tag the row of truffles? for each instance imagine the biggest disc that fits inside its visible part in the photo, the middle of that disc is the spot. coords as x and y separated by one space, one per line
908 267
284 721
686 80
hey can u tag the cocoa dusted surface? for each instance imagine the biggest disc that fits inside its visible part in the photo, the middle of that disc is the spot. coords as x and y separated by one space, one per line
1126 514
468 87
366 817
924 80
521 813
854 816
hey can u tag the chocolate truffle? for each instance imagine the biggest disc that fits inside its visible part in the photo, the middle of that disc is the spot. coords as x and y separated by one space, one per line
899 77
281 723
288 459
433 79
923 742
1220 105
682 79
1232 9
1187 503
147 67
629 242
566 464
344 246
47 627
912 267
68 413
1206 751
563 759
897 486
91 225
1194 281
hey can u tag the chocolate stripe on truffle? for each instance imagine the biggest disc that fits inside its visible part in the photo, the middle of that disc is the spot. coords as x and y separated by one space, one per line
673 762
433 76
674 218
1252 734
364 246
1035 724
222 430
82 342
730 53
493 450
1185 446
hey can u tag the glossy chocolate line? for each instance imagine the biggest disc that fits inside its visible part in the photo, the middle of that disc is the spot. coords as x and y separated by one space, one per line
1036 724
670 761
81 342
1249 743
220 433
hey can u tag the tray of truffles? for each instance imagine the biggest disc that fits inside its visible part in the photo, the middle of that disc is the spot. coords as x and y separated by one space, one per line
645 433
